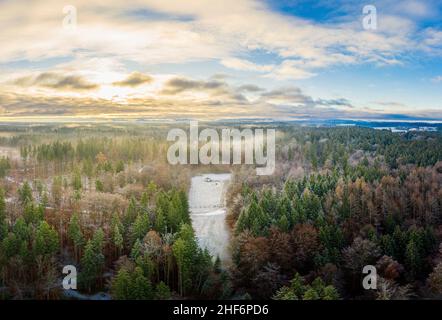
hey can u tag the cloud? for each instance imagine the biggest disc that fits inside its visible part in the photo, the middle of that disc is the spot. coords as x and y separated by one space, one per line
55 80
215 32
290 69
287 69
178 85
294 96
280 103
414 8
287 95
249 88
245 65
133 80
211 92
437 79
243 35
389 104
342 102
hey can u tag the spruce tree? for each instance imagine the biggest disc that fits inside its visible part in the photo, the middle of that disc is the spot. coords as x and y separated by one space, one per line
75 234
121 285
92 261
25 194
46 240
117 239
141 286
162 291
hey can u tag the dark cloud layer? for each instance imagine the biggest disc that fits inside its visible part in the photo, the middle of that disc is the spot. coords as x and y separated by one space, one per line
56 80
250 88
134 79
177 85
295 95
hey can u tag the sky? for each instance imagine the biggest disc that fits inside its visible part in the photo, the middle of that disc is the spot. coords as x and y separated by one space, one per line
230 59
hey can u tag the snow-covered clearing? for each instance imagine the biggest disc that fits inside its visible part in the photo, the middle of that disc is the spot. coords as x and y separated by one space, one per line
208 213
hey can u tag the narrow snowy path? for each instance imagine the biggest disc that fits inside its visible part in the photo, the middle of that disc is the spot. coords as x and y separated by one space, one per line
208 213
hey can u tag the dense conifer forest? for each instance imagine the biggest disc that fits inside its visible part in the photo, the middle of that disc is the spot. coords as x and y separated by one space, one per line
104 199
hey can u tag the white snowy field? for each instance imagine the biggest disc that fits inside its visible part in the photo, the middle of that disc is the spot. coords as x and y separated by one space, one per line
208 213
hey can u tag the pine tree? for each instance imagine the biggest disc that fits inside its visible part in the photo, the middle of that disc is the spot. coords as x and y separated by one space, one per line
21 229
413 259
330 293
179 251
243 222
147 265
137 250
151 189
99 187
119 167
75 234
130 214
185 250
311 294
144 202
25 194
121 285
283 224
117 239
141 286
76 181
92 261
162 291
11 245
160 221
132 285
140 227
217 265
56 190
46 240
33 214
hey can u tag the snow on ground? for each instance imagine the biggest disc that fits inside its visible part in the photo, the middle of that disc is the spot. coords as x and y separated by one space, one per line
10 152
208 213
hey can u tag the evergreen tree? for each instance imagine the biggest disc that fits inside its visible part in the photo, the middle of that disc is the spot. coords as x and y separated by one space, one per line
92 261
160 221
130 214
141 286
413 259
76 181
311 294
162 291
185 250
99 187
21 229
121 285
137 250
140 227
119 167
144 202
75 234
25 194
46 240
11 245
117 239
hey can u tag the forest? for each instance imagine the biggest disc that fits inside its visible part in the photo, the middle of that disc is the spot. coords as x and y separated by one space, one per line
104 199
